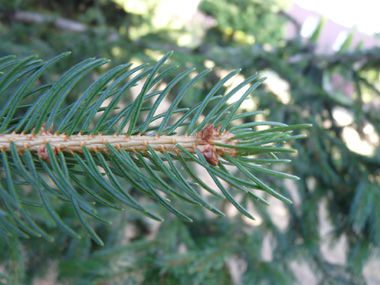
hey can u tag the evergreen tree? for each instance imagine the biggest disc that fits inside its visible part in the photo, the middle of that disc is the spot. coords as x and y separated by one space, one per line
52 191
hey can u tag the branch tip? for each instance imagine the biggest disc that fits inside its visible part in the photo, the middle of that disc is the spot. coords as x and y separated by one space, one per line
205 140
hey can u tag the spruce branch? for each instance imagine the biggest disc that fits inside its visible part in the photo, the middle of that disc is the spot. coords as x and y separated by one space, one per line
62 150
207 141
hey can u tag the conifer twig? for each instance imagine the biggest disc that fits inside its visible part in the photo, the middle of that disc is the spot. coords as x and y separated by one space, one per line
204 141
112 147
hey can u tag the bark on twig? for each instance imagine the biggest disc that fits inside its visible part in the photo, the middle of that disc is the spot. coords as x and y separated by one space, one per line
75 143
60 23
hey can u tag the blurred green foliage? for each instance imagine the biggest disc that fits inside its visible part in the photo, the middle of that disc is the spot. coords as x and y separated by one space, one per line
247 21
339 181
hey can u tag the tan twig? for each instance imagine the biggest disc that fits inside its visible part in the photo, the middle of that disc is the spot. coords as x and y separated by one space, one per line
203 140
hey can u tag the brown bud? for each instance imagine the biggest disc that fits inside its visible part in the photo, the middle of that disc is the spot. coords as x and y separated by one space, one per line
209 153
43 152
204 136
